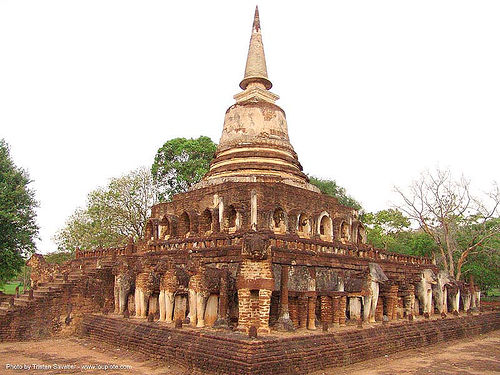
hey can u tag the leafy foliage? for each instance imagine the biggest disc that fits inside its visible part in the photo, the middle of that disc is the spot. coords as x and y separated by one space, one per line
390 230
58 257
180 163
18 227
113 214
330 187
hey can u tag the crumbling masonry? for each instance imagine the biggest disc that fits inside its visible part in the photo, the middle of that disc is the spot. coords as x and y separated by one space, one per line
252 246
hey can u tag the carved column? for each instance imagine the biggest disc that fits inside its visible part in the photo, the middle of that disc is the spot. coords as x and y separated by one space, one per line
336 310
294 312
326 309
311 306
302 311
222 320
284 322
342 308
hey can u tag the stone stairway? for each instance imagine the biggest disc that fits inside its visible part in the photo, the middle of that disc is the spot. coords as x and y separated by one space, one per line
38 313
44 290
49 289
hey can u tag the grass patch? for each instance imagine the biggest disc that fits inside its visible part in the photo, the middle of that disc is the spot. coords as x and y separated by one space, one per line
10 287
494 292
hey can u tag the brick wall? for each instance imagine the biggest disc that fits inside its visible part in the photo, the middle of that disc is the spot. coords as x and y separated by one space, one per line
57 310
227 353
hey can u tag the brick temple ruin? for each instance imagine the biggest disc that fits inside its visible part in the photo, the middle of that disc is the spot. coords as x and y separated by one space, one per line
252 248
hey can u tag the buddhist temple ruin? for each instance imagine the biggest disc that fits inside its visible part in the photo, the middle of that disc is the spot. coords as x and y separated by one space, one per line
253 247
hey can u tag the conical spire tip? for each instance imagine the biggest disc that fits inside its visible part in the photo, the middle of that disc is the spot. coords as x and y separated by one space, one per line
256 70
256 19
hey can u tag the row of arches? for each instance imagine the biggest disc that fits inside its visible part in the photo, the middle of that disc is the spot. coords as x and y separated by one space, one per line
189 223
231 219
306 225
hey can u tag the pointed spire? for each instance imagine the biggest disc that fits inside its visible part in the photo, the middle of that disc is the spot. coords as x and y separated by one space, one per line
256 70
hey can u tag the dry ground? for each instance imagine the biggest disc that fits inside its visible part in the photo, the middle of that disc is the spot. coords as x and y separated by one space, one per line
479 355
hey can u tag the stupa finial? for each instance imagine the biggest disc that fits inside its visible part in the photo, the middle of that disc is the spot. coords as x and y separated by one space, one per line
256 70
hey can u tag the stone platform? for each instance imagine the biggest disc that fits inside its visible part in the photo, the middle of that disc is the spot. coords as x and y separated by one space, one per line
232 353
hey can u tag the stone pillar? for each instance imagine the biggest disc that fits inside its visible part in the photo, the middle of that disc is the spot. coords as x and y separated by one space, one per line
342 308
244 310
222 320
255 283
264 308
336 310
311 307
284 322
294 311
326 309
303 311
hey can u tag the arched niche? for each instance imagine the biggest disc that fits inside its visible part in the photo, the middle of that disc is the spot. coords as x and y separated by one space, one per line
231 219
278 221
206 222
325 226
184 225
361 235
164 228
304 225
344 231
149 231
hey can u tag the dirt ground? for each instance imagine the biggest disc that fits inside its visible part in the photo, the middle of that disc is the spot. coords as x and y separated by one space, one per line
479 355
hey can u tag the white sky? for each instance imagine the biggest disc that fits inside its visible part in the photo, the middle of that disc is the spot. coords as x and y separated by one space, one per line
374 91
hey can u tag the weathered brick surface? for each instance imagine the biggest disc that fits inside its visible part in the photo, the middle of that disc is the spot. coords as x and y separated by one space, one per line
57 307
227 353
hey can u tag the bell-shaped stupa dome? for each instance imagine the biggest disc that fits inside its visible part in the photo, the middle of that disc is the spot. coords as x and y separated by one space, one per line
254 145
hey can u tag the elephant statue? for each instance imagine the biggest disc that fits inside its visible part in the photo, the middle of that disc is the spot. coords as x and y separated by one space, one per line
198 294
168 286
453 292
423 290
375 276
124 284
476 298
466 295
144 286
439 292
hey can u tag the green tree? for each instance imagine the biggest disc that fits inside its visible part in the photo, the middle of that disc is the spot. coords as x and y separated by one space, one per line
330 187
18 227
180 163
58 257
390 230
460 223
113 214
